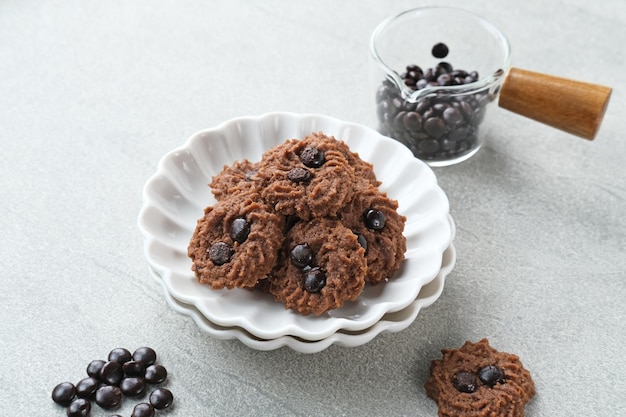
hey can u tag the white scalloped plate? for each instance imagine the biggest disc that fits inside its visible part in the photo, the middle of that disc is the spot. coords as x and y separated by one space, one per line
389 323
176 195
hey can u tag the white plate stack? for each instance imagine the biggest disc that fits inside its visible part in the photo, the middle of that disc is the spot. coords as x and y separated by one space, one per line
175 196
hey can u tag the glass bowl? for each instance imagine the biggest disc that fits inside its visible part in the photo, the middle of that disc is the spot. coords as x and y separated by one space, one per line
436 102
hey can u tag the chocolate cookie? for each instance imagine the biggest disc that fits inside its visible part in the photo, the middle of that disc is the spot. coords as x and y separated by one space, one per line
363 170
306 178
372 216
236 242
322 265
240 176
478 381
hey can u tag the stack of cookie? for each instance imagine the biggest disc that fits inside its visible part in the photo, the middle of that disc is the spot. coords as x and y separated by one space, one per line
307 223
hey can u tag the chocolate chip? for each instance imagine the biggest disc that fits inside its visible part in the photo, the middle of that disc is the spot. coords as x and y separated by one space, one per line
120 355
312 157
161 398
435 127
429 146
460 73
398 121
111 373
422 83
301 255
155 374
429 114
374 219
143 410
465 382
220 253
63 393
447 144
134 368
459 133
239 230
383 92
145 355
314 279
491 375
412 121
440 107
94 368
108 396
414 69
132 386
414 75
362 241
440 50
383 109
443 68
86 388
423 105
452 116
80 407
299 175
290 221
445 79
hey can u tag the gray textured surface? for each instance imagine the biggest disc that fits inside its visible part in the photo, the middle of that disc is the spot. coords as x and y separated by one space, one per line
93 93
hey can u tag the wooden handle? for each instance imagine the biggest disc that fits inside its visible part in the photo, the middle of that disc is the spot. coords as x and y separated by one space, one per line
572 106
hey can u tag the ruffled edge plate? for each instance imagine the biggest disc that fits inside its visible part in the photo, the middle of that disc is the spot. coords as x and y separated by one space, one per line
176 195
389 323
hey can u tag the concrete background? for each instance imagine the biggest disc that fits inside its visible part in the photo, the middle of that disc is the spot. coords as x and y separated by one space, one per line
93 94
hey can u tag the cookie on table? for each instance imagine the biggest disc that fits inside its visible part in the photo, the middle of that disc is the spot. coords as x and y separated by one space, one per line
322 266
240 176
479 381
373 217
306 178
236 242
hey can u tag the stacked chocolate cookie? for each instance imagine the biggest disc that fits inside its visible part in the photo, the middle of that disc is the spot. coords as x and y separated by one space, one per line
307 223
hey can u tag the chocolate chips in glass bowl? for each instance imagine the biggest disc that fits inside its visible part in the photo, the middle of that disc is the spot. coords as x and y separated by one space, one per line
123 374
440 125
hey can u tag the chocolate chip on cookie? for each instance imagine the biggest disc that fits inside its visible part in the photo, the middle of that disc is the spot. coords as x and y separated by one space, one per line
312 157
